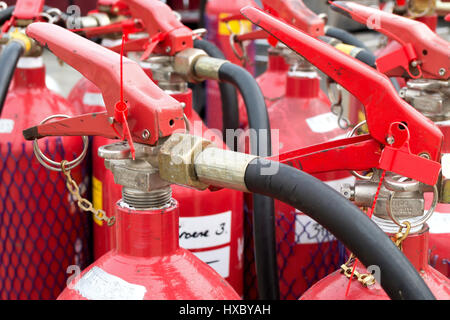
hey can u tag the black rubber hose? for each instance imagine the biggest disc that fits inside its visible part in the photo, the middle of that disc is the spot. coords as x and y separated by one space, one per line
360 235
8 62
228 95
364 56
263 207
6 14
367 57
345 37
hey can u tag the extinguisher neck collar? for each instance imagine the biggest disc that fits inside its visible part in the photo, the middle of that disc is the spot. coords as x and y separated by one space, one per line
30 73
147 233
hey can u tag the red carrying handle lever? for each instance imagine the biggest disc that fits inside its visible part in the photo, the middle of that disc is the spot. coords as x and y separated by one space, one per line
169 35
382 104
28 9
298 14
24 10
149 109
421 52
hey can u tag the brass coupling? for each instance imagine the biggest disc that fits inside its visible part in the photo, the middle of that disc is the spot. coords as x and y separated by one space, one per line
31 48
192 161
196 66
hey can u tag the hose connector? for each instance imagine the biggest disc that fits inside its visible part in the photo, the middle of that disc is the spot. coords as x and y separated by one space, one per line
176 159
196 66
193 161
29 45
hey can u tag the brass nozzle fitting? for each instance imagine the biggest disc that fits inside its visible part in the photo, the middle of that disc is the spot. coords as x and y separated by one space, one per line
193 161
196 66
31 48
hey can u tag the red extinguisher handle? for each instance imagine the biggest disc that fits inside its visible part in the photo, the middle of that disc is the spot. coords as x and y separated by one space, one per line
383 106
298 14
159 19
150 110
28 9
421 52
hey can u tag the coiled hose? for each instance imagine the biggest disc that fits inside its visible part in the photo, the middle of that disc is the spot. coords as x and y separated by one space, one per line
8 62
360 235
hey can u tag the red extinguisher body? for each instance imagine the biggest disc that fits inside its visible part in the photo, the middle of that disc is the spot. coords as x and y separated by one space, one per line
415 247
440 220
211 223
272 83
306 251
148 264
42 231
219 33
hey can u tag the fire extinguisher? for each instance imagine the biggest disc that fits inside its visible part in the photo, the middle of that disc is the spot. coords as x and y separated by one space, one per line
220 33
425 89
107 22
218 213
301 242
399 211
387 191
273 80
204 165
43 234
146 218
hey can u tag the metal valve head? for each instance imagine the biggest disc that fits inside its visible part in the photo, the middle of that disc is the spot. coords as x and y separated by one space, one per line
149 108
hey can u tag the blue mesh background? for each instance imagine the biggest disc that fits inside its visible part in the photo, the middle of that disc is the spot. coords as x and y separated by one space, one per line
325 258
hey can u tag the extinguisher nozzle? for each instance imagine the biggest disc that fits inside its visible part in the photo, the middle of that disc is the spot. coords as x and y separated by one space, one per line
31 133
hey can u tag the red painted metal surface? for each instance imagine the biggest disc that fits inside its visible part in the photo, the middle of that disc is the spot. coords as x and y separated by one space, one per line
148 107
440 222
272 83
355 76
296 13
42 230
306 251
416 42
28 9
219 34
415 247
85 5
159 19
145 256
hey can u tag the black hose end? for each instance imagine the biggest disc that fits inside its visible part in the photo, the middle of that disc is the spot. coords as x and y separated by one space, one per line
338 8
31 133
367 57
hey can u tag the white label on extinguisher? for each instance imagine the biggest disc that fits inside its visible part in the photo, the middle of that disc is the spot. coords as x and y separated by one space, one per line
218 259
97 284
93 99
439 222
205 232
443 123
322 123
6 125
309 231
